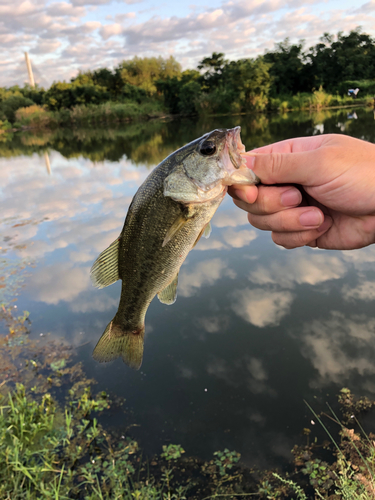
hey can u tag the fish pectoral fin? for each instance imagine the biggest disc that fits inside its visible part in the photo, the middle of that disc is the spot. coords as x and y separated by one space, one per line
116 342
175 227
206 231
169 294
104 271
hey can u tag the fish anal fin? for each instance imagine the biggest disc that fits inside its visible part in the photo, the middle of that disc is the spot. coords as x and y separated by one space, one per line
169 294
116 342
104 271
177 225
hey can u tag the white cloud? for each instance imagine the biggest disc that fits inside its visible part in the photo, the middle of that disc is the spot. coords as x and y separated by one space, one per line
237 28
261 307
204 273
239 239
339 347
53 284
365 290
312 268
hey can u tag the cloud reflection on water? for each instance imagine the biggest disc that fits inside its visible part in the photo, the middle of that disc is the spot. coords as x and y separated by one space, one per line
261 307
338 347
203 273
299 268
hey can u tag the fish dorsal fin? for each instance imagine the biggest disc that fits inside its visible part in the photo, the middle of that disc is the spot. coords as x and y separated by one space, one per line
104 271
116 342
175 227
169 294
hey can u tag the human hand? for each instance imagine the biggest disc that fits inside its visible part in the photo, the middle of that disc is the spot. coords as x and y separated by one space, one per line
317 191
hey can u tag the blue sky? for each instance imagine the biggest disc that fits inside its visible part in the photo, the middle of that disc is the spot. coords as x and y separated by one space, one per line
63 37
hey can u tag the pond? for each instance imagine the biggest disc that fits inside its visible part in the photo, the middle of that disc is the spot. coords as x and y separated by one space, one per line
255 330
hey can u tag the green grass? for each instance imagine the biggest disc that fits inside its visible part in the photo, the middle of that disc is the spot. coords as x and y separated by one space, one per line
39 117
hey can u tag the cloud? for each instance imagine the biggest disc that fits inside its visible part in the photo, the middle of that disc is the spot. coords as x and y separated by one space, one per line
110 30
312 269
239 239
363 291
203 273
232 218
261 307
246 371
213 324
55 283
237 28
339 347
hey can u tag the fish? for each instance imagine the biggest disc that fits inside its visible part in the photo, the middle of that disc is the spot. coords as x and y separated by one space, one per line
169 213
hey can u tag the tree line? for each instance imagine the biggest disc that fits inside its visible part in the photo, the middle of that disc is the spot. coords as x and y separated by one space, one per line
217 85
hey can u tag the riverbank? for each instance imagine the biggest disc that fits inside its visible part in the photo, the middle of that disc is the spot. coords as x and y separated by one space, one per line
112 113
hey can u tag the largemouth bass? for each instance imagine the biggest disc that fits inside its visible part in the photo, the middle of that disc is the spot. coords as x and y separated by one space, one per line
170 211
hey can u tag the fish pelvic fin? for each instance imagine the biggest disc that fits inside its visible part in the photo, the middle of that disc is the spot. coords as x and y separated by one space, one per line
169 294
104 271
116 342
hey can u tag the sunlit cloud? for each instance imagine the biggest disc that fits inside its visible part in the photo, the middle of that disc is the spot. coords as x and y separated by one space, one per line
261 307
80 35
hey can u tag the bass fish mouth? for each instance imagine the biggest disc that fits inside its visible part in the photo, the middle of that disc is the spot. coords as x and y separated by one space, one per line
235 147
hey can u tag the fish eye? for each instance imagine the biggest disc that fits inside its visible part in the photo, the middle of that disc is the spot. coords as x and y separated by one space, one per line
208 148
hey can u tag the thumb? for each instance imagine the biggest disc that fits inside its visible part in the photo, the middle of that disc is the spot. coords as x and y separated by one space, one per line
305 168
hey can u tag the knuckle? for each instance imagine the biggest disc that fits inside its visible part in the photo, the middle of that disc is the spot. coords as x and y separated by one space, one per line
275 166
256 221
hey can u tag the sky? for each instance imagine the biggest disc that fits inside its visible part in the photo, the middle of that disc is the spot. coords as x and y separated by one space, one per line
63 37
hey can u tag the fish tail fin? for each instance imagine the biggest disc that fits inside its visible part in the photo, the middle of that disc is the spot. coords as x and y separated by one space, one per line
116 341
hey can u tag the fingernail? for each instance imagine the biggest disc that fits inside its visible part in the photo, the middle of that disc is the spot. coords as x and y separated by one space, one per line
250 160
312 218
326 224
291 198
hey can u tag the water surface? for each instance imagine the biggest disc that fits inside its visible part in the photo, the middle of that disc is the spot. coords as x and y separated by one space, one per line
255 329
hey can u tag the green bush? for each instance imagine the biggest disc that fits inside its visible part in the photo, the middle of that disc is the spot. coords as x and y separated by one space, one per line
34 116
9 106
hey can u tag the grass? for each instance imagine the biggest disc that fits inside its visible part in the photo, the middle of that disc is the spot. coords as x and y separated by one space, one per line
110 112
317 100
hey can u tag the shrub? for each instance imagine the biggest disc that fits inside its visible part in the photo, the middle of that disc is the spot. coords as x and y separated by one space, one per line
34 116
9 106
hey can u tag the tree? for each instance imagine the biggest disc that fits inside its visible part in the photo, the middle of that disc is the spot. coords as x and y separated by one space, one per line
250 79
214 67
350 57
287 68
145 72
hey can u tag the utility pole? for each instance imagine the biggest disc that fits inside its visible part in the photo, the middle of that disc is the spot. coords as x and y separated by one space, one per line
29 70
32 84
